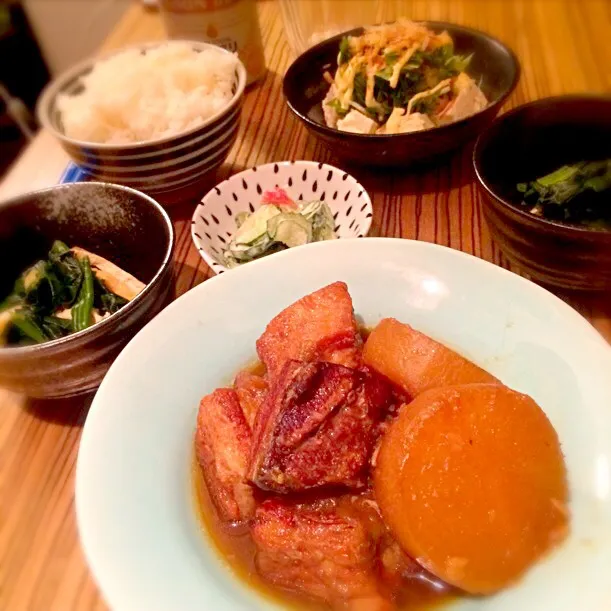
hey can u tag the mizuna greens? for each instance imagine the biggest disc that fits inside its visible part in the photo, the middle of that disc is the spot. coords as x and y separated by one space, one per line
68 291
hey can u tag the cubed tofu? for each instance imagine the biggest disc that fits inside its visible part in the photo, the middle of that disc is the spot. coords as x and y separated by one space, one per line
392 124
415 122
399 123
463 82
469 100
357 123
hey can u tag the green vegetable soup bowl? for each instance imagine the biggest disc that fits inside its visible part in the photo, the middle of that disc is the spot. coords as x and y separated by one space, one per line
527 144
63 321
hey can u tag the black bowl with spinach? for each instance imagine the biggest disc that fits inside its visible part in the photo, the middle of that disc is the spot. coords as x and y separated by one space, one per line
551 153
122 225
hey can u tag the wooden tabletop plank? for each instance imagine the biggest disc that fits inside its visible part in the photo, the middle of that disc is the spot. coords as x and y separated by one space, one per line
563 47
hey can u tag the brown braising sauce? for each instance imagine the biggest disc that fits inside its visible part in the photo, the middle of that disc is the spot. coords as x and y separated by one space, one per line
237 551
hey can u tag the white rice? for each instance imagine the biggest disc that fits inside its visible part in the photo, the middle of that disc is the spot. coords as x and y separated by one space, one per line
137 97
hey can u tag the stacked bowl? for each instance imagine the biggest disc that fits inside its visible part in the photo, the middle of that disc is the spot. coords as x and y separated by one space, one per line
164 168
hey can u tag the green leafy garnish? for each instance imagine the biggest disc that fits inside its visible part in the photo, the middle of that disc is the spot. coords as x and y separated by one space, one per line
385 73
104 301
415 61
339 109
391 58
69 268
572 193
344 51
440 56
359 88
455 65
54 327
82 310
27 326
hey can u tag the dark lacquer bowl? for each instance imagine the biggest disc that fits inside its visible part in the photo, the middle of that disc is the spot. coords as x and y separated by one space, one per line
305 88
529 142
119 223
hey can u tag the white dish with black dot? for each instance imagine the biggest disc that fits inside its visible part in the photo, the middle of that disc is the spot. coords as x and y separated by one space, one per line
213 222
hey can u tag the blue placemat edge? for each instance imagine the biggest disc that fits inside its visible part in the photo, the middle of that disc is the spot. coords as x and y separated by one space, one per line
73 173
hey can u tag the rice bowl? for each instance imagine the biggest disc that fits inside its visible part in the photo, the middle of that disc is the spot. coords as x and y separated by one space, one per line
166 167
139 95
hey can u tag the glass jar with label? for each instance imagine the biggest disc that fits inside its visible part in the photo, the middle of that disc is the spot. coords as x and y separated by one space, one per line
231 24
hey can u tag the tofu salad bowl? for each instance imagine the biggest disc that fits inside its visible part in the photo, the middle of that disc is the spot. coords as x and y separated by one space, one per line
403 92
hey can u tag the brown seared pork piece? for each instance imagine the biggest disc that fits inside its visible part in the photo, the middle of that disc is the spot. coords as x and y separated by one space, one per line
251 389
318 327
223 445
316 550
395 568
317 427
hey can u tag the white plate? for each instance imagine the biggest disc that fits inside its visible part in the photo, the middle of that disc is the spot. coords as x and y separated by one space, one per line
133 494
213 221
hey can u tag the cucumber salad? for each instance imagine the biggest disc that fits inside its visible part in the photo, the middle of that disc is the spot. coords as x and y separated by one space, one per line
279 223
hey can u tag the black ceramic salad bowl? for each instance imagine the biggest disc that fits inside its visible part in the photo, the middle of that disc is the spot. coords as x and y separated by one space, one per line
305 87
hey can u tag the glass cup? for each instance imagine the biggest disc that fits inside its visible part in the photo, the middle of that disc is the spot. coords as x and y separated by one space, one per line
231 24
308 22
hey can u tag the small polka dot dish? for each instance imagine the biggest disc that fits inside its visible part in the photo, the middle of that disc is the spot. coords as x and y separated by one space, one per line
216 218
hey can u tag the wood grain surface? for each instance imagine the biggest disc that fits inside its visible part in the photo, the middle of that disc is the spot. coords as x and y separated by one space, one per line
563 47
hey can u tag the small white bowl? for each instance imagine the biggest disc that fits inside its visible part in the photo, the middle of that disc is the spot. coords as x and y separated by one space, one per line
213 222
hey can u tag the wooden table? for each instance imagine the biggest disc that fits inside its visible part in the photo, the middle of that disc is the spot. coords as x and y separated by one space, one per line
563 47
